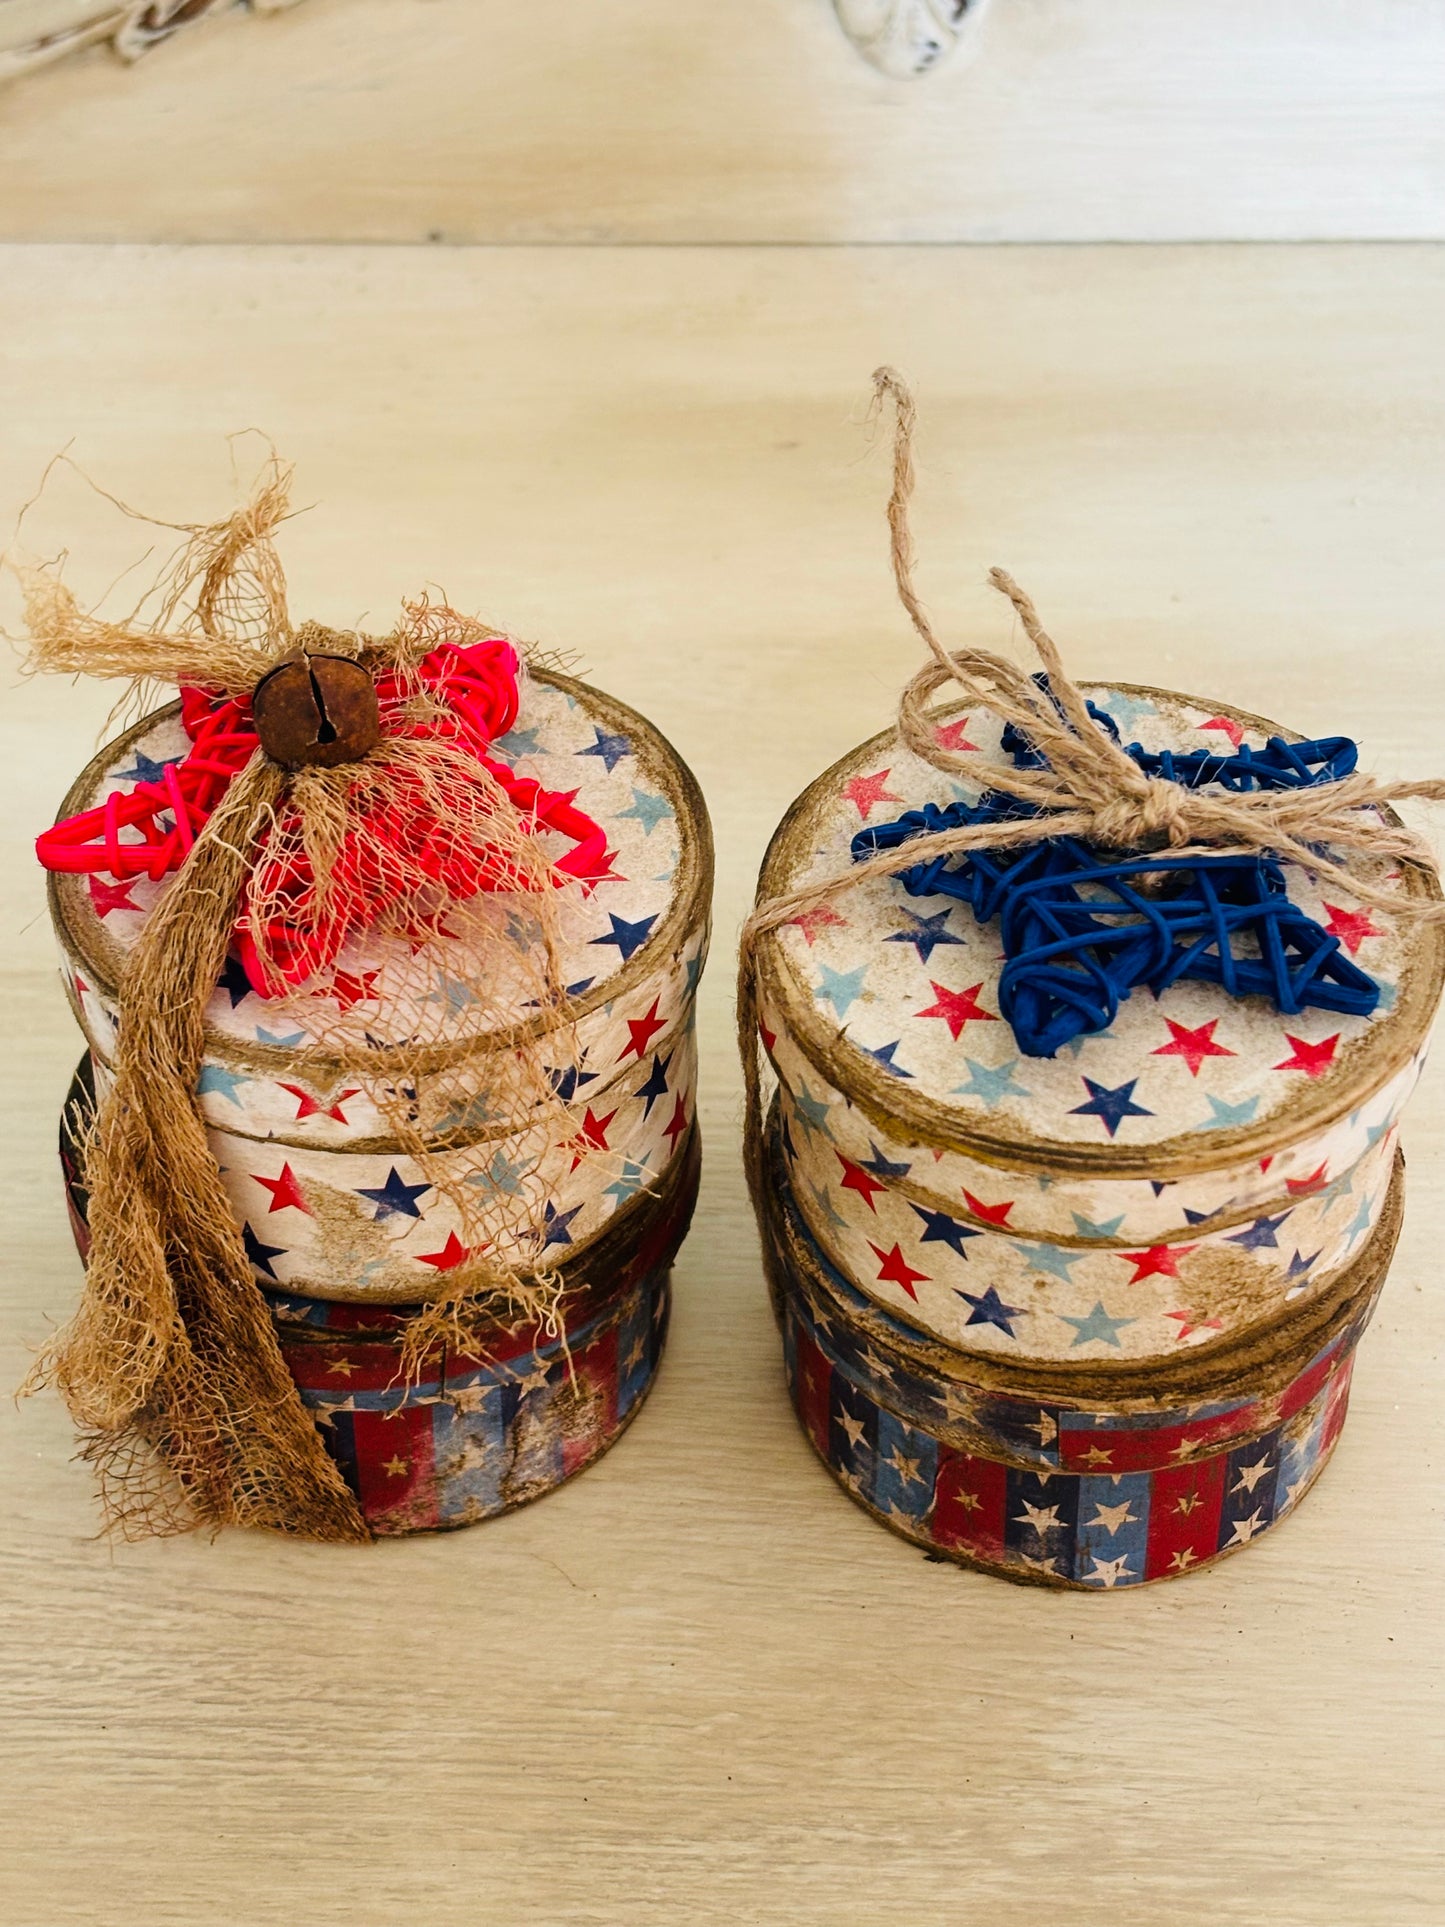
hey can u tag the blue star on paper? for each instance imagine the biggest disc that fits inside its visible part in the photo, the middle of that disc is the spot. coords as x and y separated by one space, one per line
145 769
502 1174
940 1228
928 934
1097 1328
1111 1107
1052 1259
1387 997
259 1254
1126 710
884 1056
1374 1132
827 1208
234 981
465 1116
1075 1044
840 988
566 1083
396 1198
280 1042
1258 1236
880 1165
627 936
1299 1264
215 1080
1102 1228
1226 1116
694 972
452 992
519 742
656 1085
647 809
555 1223
632 1179
1360 1225
992 1086
611 749
811 1110
989 1309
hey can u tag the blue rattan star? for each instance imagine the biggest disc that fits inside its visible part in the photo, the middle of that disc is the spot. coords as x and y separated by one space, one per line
1080 933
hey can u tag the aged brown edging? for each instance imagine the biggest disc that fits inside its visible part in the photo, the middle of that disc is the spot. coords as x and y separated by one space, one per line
1264 1364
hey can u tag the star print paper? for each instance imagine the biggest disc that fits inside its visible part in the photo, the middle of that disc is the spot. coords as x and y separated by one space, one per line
1144 1192
875 969
304 1155
1074 1493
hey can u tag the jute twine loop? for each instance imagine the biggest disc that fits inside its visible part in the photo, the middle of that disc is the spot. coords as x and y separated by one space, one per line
1087 788
171 1365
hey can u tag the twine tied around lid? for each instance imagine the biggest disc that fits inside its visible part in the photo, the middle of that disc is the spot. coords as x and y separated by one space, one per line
1087 787
345 786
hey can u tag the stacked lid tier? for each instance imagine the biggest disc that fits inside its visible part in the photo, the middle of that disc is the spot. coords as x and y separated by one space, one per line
1179 1180
331 1204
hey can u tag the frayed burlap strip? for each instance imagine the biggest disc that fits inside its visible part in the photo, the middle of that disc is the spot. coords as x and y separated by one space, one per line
1088 788
170 1366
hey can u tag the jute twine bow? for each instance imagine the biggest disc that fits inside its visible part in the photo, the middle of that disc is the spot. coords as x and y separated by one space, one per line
1088 788
171 1365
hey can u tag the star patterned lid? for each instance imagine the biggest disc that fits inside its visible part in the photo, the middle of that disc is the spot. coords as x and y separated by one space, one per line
895 997
568 736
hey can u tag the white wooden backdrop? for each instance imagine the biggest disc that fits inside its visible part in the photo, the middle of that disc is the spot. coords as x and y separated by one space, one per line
740 120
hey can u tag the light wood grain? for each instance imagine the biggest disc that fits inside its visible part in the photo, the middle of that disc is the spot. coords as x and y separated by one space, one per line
698 1687
646 120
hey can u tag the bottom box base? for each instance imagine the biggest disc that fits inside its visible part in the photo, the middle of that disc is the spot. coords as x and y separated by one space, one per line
1063 1486
475 1434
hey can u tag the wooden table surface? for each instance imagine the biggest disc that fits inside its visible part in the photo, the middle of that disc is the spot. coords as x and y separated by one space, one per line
698 1686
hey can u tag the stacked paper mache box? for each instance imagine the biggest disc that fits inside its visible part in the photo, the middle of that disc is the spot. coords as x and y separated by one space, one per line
1084 1319
351 1229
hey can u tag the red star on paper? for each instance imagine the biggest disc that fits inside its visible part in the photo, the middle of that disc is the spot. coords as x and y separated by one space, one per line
106 897
956 1008
1302 1187
642 1030
452 1254
1233 730
308 1106
769 1037
677 1126
351 987
1313 1059
951 736
1190 1322
865 792
894 1270
286 1192
855 1178
1192 1045
607 873
822 916
1351 927
1159 1261
990 1213
592 1136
